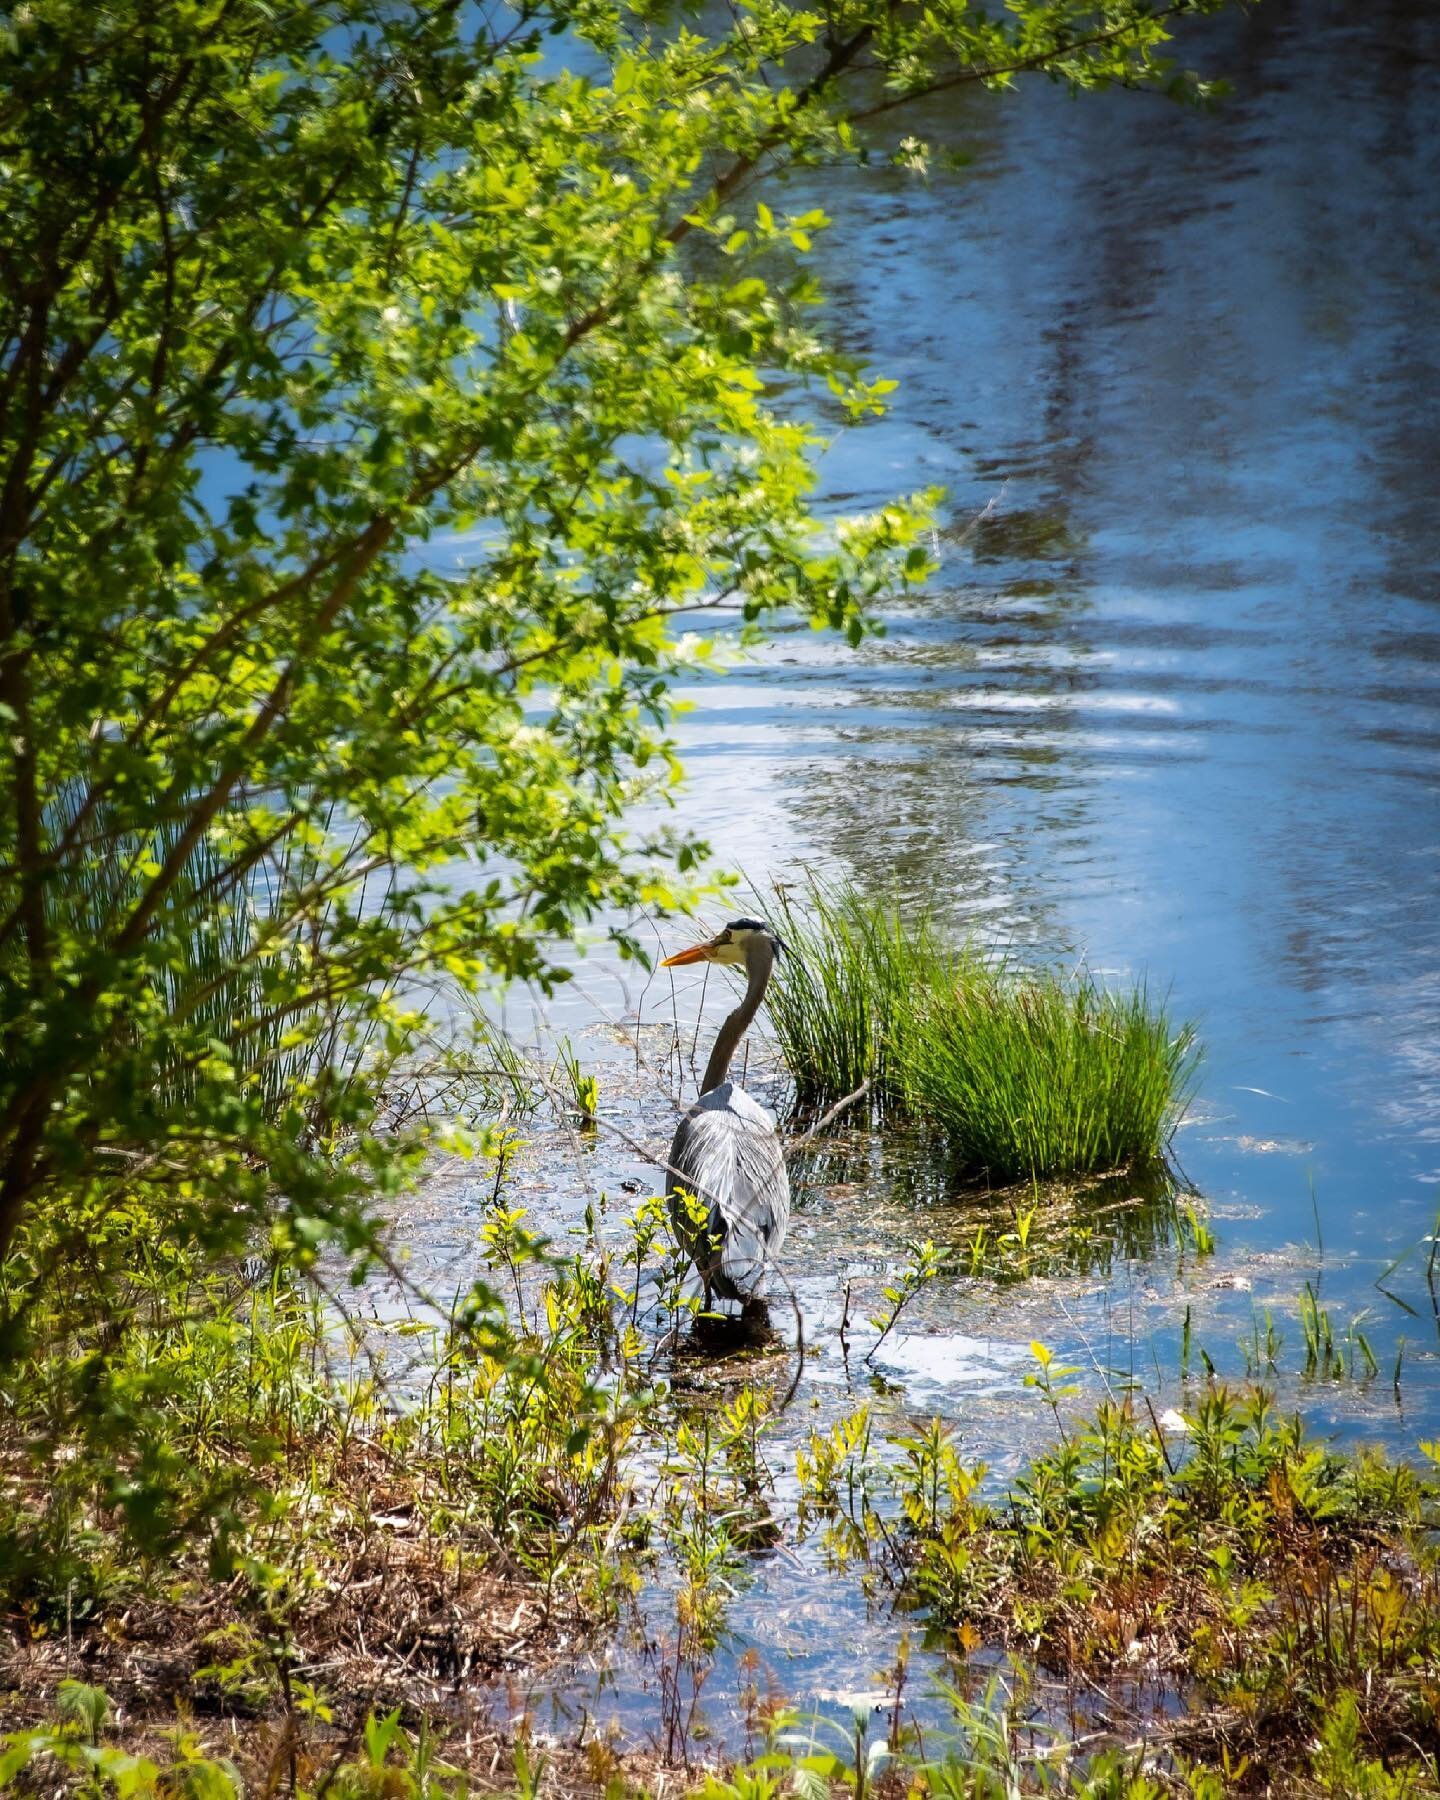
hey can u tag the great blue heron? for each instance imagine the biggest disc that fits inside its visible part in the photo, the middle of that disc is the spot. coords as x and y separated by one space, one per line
725 1152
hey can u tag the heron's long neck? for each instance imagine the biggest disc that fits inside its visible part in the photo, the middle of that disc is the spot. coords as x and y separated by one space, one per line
759 960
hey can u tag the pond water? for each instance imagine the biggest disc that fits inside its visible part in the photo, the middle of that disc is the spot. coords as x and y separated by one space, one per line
1169 706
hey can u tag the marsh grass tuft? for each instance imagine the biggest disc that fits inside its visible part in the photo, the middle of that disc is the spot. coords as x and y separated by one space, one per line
1029 1072
854 969
1035 1073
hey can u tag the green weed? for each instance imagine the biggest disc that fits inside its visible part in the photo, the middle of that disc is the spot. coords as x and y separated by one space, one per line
1262 1348
924 1264
852 975
1272 1578
583 1089
1332 1355
1028 1072
1195 1232
1033 1073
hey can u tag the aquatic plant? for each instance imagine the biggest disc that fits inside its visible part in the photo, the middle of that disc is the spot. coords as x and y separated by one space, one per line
1330 1355
1035 1073
1028 1071
581 1089
853 971
1279 1581
922 1265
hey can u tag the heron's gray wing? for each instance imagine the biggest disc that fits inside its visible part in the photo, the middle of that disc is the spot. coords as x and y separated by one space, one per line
727 1154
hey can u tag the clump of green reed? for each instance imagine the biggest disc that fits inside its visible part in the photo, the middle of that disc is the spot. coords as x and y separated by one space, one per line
854 972
1036 1073
1028 1071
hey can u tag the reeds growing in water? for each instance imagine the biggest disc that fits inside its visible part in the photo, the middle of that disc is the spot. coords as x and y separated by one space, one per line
1028 1071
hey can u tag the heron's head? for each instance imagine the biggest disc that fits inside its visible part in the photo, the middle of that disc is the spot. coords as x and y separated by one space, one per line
731 946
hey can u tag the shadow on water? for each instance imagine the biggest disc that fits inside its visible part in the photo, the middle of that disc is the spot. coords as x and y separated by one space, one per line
908 1183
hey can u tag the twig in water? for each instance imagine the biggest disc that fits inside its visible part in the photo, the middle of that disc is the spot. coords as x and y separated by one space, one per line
800 1142
1159 1435
1434 1247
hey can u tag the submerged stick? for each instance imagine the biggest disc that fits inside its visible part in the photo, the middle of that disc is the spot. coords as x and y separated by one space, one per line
825 1118
1159 1434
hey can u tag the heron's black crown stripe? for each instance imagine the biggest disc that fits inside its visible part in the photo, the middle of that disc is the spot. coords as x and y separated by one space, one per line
748 925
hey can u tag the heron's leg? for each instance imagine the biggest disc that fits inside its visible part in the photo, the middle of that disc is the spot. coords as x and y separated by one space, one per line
755 1322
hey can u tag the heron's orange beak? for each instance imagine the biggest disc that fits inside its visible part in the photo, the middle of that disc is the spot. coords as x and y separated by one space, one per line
699 953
